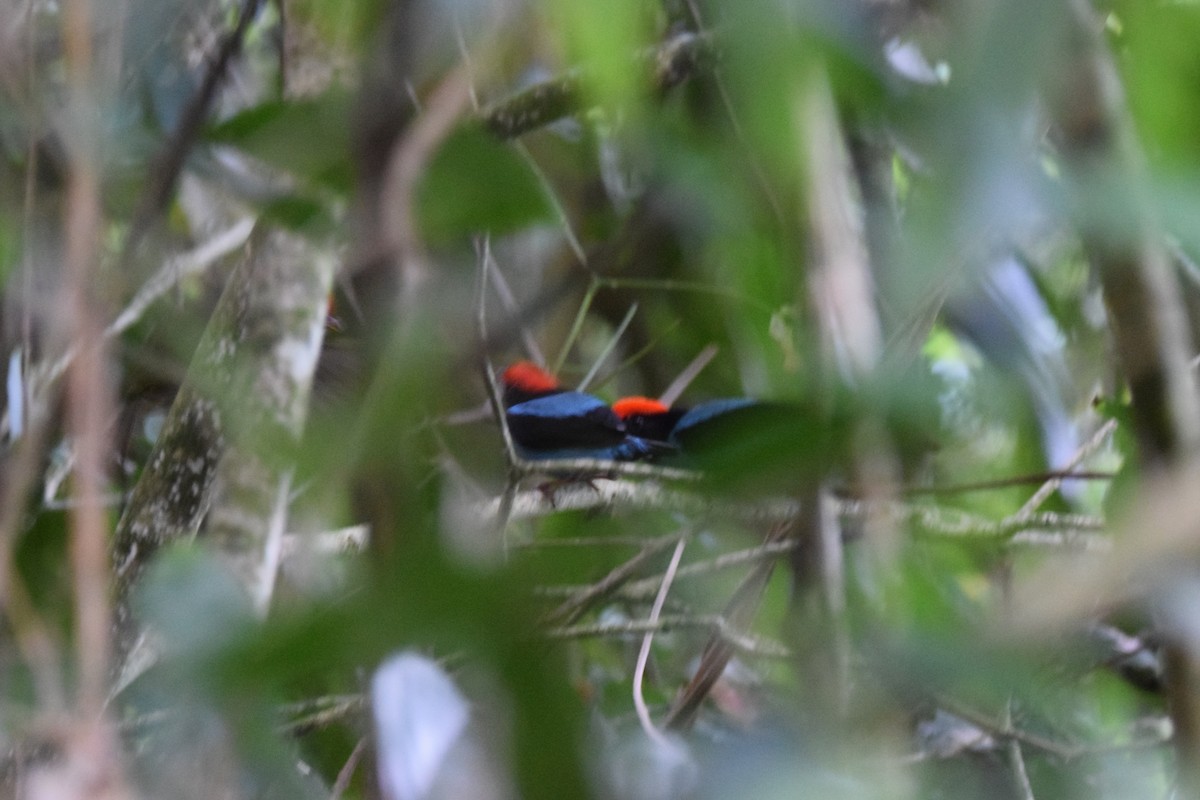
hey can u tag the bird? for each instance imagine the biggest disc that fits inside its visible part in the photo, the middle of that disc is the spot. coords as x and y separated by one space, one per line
735 441
524 380
548 422
680 427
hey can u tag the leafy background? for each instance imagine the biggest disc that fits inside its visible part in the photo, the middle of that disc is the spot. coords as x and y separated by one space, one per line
957 239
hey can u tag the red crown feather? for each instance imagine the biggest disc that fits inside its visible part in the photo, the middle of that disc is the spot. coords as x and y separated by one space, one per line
529 377
628 407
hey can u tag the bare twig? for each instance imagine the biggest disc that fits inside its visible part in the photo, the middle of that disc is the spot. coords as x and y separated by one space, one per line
1007 731
639 672
940 521
495 398
584 598
575 467
586 541
1046 528
1016 760
746 643
646 587
344 540
329 711
483 251
739 613
576 326
406 165
1070 539
500 284
1055 481
346 773
301 717
608 348
89 399
735 123
547 187
600 494
689 373
1053 478
560 210
90 747
738 558
176 268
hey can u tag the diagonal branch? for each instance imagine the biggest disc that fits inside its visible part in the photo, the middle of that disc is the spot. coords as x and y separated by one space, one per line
169 164
676 60
227 441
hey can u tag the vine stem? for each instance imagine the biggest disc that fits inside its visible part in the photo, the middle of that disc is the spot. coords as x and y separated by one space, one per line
639 700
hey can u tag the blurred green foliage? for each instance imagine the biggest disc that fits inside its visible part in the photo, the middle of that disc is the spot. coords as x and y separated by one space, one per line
268 132
695 205
475 183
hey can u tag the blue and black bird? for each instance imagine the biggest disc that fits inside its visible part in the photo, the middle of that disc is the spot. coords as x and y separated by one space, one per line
548 422
738 442
684 429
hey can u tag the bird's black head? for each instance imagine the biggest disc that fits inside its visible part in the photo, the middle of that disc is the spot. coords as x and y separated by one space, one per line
647 418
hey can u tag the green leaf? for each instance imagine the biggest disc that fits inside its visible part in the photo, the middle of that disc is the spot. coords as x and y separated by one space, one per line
604 37
475 183
307 138
299 213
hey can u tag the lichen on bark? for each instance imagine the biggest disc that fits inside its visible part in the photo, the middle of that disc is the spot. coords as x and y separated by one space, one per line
222 461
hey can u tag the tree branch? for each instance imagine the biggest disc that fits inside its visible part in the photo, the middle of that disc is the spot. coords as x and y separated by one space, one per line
237 418
166 168
676 60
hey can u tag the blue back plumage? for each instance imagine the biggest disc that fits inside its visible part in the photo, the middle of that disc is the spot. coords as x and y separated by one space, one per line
560 405
566 425
574 425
